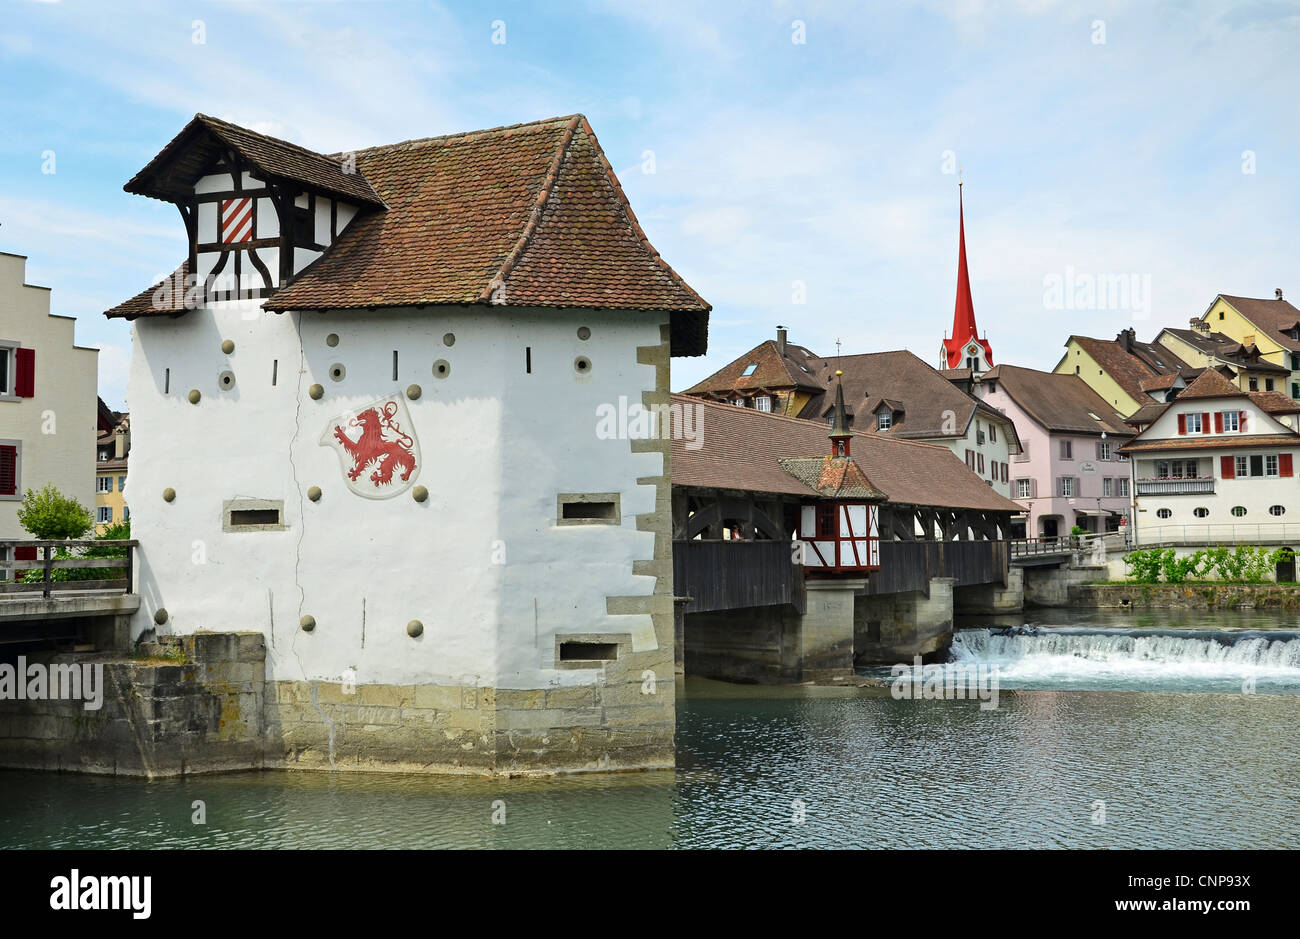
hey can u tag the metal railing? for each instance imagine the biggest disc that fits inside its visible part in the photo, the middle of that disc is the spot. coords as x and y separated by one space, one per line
52 556
1223 533
1175 487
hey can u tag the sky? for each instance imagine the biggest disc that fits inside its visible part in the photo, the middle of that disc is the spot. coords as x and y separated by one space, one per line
796 162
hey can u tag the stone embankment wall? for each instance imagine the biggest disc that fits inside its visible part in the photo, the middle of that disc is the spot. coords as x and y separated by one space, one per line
1186 596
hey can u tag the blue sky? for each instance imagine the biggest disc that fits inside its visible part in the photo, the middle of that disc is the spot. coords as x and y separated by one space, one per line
1150 140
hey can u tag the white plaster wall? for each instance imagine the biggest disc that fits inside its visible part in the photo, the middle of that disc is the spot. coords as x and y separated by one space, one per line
64 402
497 445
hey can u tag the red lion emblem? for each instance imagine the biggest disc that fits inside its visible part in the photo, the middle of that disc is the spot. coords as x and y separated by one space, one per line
372 449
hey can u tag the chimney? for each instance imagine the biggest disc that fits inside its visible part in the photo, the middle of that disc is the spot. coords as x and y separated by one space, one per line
1277 292
780 340
1199 325
1126 338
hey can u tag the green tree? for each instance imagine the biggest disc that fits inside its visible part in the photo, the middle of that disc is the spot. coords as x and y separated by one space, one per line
52 516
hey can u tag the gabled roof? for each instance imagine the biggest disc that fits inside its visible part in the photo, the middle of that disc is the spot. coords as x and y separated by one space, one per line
525 216
1274 402
1146 414
832 477
1210 442
1134 364
171 175
771 371
743 448
1270 316
1059 403
1210 384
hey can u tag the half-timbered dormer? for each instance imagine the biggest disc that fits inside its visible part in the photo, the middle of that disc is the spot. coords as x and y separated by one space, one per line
841 532
257 211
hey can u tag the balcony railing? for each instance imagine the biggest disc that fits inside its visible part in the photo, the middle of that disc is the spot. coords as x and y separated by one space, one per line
1202 485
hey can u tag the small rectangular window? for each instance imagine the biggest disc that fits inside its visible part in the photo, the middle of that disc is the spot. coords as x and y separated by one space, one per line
103 483
528 360
11 458
5 371
252 515
588 651
394 365
105 514
588 508
275 370
1257 465
1067 450
167 381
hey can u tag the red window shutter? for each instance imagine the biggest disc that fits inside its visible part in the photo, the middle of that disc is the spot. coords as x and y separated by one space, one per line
1218 422
1205 423
1227 469
25 373
1284 464
1182 423
8 471
1241 421
25 553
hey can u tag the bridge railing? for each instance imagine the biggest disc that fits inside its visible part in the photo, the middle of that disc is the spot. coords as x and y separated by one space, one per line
1025 547
1221 534
728 575
65 565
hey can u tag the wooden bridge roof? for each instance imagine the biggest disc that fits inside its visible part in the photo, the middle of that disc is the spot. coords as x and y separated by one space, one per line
743 448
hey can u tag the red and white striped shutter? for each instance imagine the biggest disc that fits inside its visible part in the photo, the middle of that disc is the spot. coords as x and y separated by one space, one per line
236 220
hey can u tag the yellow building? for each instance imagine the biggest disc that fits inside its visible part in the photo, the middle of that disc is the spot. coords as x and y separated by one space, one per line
111 451
1127 373
1267 330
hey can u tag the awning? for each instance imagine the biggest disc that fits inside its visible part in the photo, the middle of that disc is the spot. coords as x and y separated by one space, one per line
1089 513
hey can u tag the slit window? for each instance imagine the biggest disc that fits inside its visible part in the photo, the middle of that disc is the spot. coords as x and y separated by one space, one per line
588 651
528 359
597 508
253 515
394 365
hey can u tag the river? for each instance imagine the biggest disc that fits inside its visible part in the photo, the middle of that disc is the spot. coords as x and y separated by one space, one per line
1162 750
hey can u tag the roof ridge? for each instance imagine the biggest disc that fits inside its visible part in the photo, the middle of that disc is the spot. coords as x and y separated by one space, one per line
534 214
462 136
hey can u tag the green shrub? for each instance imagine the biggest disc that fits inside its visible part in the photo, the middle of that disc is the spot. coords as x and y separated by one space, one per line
1177 570
1145 565
52 516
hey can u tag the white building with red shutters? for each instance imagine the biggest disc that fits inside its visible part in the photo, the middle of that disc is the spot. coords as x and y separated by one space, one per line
1217 462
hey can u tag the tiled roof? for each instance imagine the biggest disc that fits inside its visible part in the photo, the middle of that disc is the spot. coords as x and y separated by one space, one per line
771 371
1132 367
1271 316
151 302
1061 403
171 174
1146 414
524 216
833 478
743 449
1214 442
1274 402
1210 384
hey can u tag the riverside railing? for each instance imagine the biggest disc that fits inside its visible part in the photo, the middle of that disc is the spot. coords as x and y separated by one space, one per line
1176 487
51 557
1223 533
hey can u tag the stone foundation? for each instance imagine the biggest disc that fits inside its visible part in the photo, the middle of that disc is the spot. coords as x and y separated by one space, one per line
1186 596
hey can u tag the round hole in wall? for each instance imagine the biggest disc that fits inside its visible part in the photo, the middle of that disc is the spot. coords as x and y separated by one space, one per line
226 380
338 372
441 368
332 340
1164 513
582 365
1201 512
1238 510
449 339
1277 510
584 333
228 346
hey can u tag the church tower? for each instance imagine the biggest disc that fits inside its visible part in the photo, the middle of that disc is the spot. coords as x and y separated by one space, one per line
964 348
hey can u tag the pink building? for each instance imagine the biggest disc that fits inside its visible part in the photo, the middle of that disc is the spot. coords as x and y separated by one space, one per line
1069 471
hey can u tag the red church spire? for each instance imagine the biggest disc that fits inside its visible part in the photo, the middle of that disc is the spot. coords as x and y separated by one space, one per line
956 350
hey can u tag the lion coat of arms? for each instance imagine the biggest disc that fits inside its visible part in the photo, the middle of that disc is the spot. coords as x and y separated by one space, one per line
377 448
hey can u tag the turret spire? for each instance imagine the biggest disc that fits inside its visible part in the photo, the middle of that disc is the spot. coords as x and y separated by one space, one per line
840 434
964 348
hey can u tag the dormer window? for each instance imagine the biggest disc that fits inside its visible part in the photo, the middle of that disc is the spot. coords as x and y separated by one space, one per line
763 403
885 420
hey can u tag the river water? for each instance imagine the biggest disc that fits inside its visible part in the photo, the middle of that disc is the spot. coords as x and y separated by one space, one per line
1111 731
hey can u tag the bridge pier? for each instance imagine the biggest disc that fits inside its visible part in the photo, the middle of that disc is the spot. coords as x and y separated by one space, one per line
892 628
993 598
826 630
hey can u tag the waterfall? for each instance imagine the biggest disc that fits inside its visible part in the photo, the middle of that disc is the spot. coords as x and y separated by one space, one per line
1135 659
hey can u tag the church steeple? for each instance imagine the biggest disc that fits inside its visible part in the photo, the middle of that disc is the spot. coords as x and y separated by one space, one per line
964 348
840 434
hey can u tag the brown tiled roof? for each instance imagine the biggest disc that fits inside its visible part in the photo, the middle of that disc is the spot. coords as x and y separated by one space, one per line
1271 316
927 397
772 371
150 302
1131 369
1210 384
1274 402
172 173
525 216
1214 442
1146 414
1160 382
1061 403
742 449
833 478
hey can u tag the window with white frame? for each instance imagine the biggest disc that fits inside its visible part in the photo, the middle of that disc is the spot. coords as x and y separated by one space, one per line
763 403
1065 486
1241 467
1270 464
1230 422
6 369
1194 423
884 420
1123 486
1023 489
993 433
1107 487
105 516
103 483
1104 450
